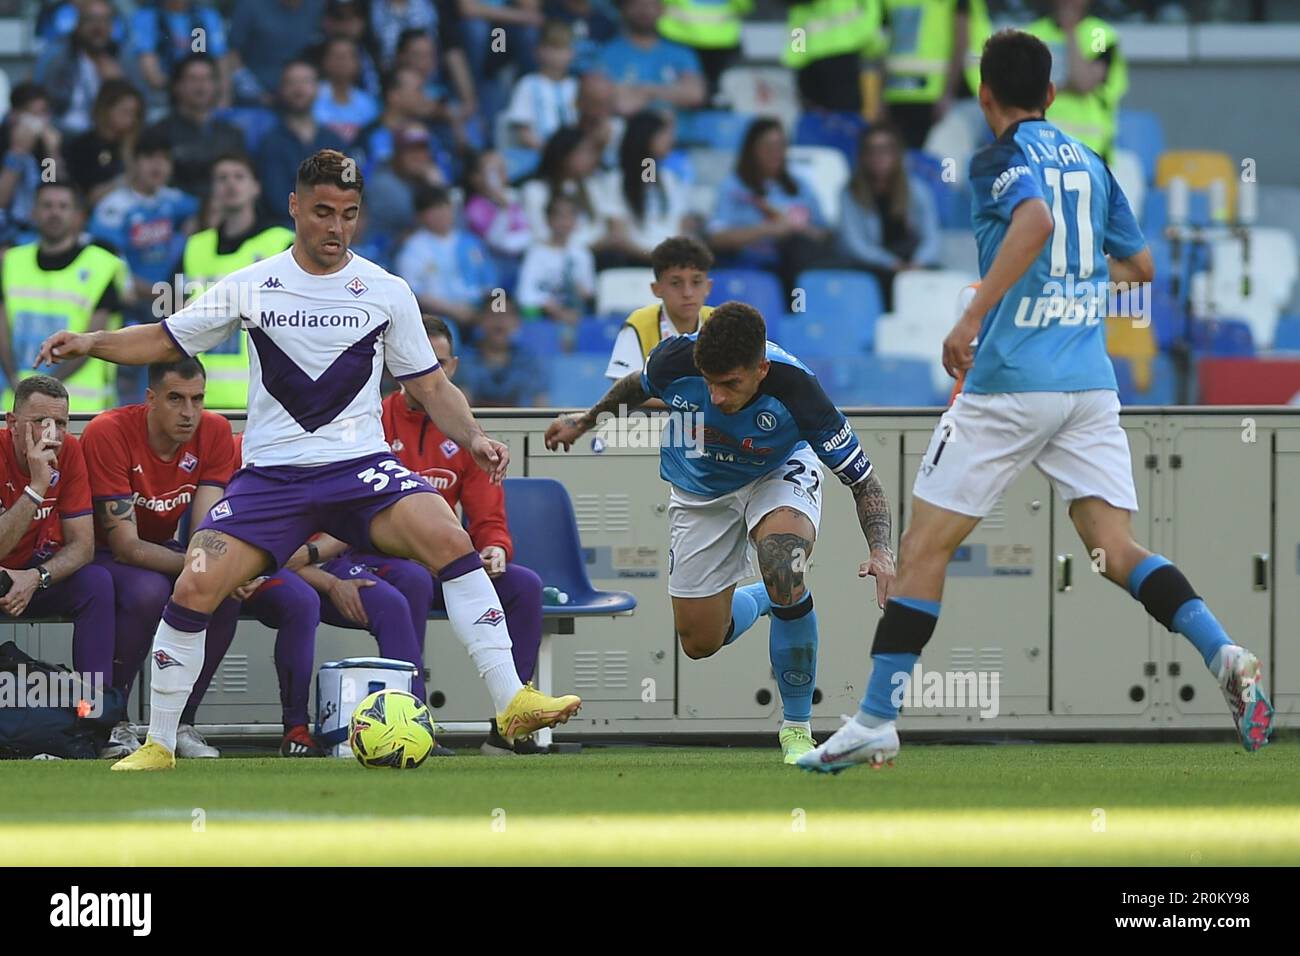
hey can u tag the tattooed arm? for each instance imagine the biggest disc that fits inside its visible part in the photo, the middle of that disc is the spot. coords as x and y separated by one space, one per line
628 392
117 517
874 517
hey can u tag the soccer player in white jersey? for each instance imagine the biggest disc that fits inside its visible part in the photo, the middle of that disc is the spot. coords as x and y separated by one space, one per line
322 322
1054 230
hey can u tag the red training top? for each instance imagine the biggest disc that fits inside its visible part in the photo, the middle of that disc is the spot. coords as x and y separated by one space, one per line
421 447
122 465
67 497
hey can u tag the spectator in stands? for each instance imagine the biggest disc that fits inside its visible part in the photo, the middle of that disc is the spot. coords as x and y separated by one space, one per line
835 35
96 158
162 34
888 224
146 221
647 69
544 101
558 279
710 28
593 22
521 20
341 105
345 18
494 214
292 139
30 141
597 119
147 463
406 104
71 69
566 167
56 20
644 202
196 135
389 19
421 447
47 535
453 124
266 35
60 282
447 267
497 373
767 217
390 191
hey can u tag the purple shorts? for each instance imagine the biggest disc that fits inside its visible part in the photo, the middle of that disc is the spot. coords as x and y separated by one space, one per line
277 508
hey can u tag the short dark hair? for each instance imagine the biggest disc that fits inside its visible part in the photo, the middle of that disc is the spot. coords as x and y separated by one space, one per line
329 167
153 140
409 36
734 337
38 385
427 196
680 252
186 368
561 199
303 61
24 94
62 181
436 328
391 80
243 159
1017 68
188 60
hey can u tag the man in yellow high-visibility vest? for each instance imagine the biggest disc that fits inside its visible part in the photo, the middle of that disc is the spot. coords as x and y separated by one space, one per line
825 43
709 27
239 239
1089 71
57 283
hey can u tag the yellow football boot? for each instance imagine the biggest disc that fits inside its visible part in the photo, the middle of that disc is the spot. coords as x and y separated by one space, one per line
531 710
152 756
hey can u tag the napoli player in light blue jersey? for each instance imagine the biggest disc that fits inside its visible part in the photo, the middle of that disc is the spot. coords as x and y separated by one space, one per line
1055 233
745 468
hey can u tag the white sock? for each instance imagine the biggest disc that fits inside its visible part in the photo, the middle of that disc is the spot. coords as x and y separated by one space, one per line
177 659
870 721
805 724
471 602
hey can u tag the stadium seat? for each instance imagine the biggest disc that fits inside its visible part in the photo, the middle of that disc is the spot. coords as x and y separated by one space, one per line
918 337
540 336
1212 298
1128 171
596 334
577 381
760 289
1155 212
1143 133
950 201
1162 390
1200 168
875 380
623 290
1287 336
520 162
711 166
839 131
921 291
545 533
826 170
716 129
253 121
1272 268
958 252
761 91
1222 337
845 304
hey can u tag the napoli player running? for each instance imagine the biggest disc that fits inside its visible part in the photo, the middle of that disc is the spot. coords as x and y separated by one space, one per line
323 323
1052 227
754 478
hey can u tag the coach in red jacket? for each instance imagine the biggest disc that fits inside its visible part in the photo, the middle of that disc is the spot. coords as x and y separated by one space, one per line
421 447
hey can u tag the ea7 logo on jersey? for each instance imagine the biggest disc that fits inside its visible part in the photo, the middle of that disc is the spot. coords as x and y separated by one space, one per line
1003 182
679 402
840 439
492 615
272 283
356 286
221 510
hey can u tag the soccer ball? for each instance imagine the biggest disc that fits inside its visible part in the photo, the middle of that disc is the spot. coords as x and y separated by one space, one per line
391 728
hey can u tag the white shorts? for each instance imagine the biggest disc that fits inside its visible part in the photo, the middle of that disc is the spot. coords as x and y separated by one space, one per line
709 537
983 443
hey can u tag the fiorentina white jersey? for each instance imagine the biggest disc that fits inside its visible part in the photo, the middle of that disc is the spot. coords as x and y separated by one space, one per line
317 346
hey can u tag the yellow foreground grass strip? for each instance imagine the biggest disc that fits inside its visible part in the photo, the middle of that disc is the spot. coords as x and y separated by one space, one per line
1201 836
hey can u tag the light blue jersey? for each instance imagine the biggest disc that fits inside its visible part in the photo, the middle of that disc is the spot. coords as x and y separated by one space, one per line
1048 331
789 412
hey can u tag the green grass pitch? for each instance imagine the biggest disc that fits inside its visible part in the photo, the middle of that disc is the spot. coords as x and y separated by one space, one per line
1071 804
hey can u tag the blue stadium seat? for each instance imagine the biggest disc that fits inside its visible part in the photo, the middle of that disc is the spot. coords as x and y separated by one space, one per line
1142 132
596 334
760 289
253 121
1154 215
829 128
1161 390
1223 337
520 162
540 336
714 129
545 533
952 203
1287 335
848 303
577 381
873 380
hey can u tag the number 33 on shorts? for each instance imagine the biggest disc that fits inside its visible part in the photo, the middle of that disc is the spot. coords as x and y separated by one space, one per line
390 469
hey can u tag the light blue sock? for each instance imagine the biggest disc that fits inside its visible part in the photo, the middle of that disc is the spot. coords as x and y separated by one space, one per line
792 647
1193 619
748 604
891 671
